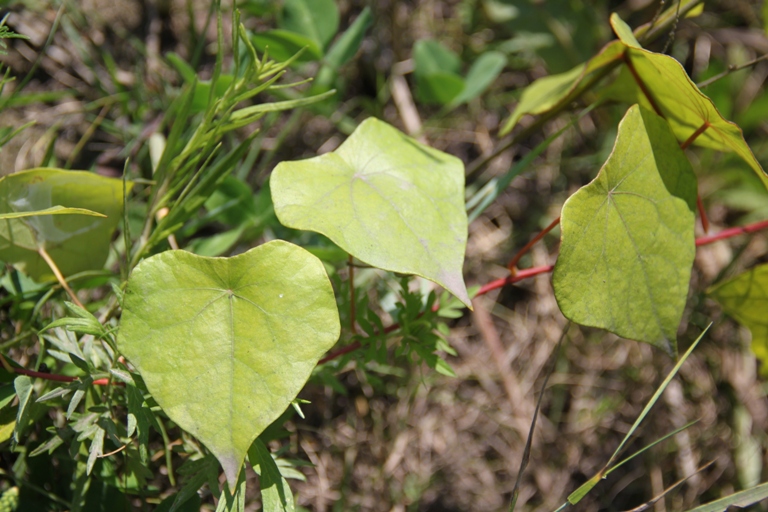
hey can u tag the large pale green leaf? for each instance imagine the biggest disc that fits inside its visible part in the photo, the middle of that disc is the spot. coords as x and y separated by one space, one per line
658 81
627 237
225 344
384 198
745 298
77 212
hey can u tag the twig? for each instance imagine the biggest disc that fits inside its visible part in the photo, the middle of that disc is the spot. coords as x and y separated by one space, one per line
529 441
59 277
674 28
652 501
731 69
514 261
702 214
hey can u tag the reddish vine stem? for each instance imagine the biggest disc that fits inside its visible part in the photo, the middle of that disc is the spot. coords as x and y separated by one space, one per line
640 83
702 214
699 205
55 377
514 261
731 232
695 135
530 272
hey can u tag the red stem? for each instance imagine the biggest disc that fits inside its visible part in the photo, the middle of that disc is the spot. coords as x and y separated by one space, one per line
640 83
731 232
57 378
702 214
701 129
530 272
514 261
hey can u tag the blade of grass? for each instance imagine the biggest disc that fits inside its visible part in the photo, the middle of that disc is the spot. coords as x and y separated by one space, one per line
582 491
740 499
529 441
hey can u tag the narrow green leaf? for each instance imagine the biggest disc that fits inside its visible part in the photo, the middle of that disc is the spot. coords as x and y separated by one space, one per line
281 45
279 106
582 491
53 210
628 237
384 198
480 76
229 502
740 499
430 56
577 495
276 494
75 242
316 19
745 298
23 386
349 42
260 321
96 450
439 88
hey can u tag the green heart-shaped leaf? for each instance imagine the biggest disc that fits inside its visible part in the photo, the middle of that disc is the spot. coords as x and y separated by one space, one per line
745 298
627 237
225 344
76 213
388 200
659 82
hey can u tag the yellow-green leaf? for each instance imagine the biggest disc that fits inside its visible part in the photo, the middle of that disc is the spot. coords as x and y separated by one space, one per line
386 199
745 298
71 214
225 344
659 82
627 237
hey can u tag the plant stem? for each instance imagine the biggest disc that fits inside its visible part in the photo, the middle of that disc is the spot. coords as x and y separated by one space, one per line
514 261
522 274
530 272
731 69
702 214
701 129
59 277
646 92
731 232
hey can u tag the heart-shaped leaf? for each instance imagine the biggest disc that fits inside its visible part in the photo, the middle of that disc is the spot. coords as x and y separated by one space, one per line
745 298
384 198
76 213
659 82
225 344
627 237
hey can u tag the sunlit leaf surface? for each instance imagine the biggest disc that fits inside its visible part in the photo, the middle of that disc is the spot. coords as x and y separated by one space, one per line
627 237
225 344
384 198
